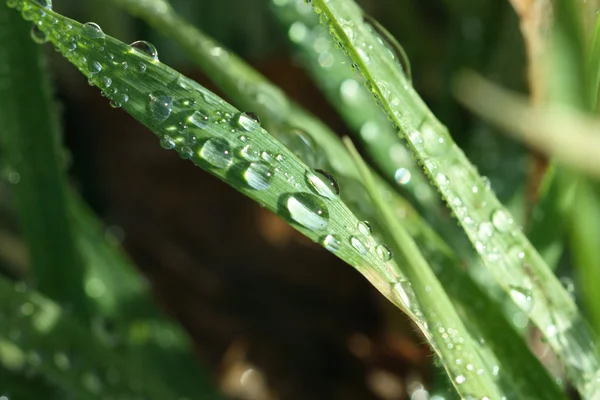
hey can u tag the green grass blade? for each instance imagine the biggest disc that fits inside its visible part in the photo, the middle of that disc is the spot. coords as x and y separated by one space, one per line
594 66
444 328
46 340
510 258
344 88
29 139
217 137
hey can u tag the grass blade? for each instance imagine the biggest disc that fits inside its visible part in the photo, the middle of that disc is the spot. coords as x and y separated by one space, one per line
217 137
29 139
510 258
443 325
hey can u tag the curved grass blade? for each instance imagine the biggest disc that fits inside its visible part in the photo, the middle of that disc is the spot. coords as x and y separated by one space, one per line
442 321
217 137
42 338
510 258
29 138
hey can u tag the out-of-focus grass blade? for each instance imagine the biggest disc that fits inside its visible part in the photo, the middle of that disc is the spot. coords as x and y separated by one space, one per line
442 321
43 338
507 253
29 139
594 66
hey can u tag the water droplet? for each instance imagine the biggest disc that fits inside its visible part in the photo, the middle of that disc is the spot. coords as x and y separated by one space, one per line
485 230
45 3
323 183
38 35
167 142
258 175
306 209
198 119
160 105
522 298
360 244
406 294
435 145
92 30
383 252
460 379
502 220
105 82
331 243
364 228
94 67
146 48
402 176
216 152
247 121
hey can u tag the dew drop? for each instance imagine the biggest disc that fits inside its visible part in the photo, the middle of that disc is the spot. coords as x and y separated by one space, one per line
306 209
38 35
217 152
198 119
258 175
94 67
105 82
406 294
247 122
460 379
45 3
146 48
167 142
322 183
402 176
522 297
383 252
92 30
364 228
331 243
250 153
160 105
360 244
485 230
501 220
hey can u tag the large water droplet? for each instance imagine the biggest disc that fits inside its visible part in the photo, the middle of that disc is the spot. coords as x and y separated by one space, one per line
160 105
92 30
246 122
217 152
331 243
38 35
146 48
502 220
522 297
364 228
323 183
198 119
460 379
360 244
94 67
402 176
306 209
45 3
258 175
383 252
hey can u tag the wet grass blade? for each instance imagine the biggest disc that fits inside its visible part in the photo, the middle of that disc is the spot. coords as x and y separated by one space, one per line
44 339
444 328
217 137
505 250
29 139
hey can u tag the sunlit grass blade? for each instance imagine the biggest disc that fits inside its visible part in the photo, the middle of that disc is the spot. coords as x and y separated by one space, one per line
510 258
29 140
217 137
594 65
442 325
46 340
